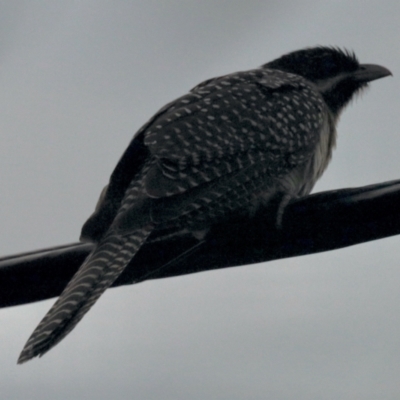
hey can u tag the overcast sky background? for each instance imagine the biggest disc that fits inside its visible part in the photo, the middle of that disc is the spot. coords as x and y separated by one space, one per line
77 79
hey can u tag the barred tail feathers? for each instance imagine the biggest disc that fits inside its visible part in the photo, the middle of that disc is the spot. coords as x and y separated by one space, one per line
98 272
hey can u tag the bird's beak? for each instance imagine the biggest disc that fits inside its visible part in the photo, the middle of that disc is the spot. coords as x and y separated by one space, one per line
370 72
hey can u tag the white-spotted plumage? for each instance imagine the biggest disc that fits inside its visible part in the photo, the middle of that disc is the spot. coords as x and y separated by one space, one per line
231 143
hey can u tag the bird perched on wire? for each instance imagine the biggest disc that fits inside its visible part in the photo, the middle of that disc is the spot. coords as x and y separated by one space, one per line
230 144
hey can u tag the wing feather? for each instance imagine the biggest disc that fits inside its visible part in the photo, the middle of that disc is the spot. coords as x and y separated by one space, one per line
234 124
253 125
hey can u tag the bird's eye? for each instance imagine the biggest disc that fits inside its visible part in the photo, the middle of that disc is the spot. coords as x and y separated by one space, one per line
328 66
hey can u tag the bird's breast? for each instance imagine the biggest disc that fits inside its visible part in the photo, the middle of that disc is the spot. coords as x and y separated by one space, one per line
302 179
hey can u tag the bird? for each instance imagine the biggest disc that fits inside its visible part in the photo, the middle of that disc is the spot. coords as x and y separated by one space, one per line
228 146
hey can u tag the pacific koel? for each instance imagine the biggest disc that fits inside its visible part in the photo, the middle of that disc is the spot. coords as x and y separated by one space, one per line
232 143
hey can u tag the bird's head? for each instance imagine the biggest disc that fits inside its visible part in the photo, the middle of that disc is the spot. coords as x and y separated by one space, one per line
336 73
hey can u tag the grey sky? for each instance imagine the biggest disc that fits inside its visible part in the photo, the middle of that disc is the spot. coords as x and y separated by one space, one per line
78 78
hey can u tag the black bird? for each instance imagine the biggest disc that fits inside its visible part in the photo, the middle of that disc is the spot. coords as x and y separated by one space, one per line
230 144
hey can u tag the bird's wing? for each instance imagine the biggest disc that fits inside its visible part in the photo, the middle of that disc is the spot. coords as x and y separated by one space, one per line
226 139
127 168
222 125
225 121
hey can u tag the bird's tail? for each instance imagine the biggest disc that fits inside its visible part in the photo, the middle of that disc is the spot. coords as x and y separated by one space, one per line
98 272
